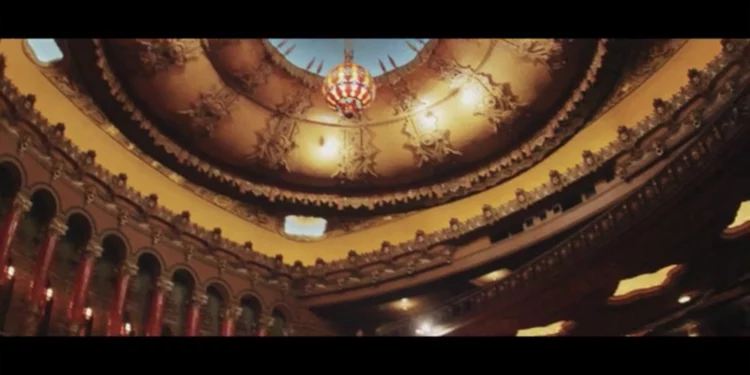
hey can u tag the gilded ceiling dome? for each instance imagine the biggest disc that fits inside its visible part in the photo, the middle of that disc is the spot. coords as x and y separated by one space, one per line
246 117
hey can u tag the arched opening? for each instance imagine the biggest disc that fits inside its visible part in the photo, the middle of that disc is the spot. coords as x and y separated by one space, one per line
142 290
217 303
278 325
250 309
69 250
33 227
44 51
104 278
10 184
184 285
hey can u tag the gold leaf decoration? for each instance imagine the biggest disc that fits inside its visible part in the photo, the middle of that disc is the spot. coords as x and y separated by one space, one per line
277 139
210 109
427 141
404 98
152 56
547 52
357 155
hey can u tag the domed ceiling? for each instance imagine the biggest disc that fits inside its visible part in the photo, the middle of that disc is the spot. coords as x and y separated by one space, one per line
246 117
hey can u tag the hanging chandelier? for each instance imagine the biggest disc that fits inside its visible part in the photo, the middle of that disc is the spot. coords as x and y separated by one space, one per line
348 87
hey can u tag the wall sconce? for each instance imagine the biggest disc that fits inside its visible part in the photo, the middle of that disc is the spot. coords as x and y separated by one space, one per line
88 313
11 271
49 293
128 329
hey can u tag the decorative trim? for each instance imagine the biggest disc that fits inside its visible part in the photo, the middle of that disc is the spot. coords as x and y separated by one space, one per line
560 128
629 150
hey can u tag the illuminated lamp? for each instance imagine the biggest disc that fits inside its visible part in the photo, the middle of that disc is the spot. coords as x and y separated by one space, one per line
10 272
349 88
49 293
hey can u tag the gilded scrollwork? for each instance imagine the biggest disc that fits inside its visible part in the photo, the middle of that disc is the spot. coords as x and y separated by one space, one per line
497 103
547 52
358 153
205 114
428 143
404 97
151 56
277 139
247 80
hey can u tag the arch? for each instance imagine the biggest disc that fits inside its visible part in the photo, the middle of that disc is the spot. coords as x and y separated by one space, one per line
15 173
251 308
149 252
49 198
78 210
187 268
285 311
116 244
250 294
78 221
181 273
120 236
221 286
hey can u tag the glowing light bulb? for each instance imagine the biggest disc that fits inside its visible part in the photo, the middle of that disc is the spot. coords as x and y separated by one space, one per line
49 293
87 313
128 328
11 272
684 299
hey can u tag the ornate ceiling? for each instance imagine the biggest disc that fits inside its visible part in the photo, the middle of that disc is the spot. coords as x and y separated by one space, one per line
244 118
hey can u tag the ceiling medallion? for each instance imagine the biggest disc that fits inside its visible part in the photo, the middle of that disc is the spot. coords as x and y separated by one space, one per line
349 87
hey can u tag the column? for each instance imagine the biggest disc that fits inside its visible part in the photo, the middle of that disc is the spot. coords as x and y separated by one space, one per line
74 313
229 320
163 286
194 313
265 322
114 318
9 223
39 282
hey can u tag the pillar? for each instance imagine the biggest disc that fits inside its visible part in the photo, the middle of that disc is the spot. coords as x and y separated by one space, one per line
163 286
80 290
229 320
265 322
44 257
198 300
8 227
116 310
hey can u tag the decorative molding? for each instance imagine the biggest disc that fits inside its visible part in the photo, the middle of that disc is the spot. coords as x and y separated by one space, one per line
484 177
209 110
358 153
152 56
631 157
277 141
547 52
429 144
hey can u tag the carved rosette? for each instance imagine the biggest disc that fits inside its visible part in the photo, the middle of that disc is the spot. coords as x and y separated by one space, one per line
499 105
151 56
209 110
248 80
277 139
358 153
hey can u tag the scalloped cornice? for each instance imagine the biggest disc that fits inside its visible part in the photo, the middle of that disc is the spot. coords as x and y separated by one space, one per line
563 125
671 114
